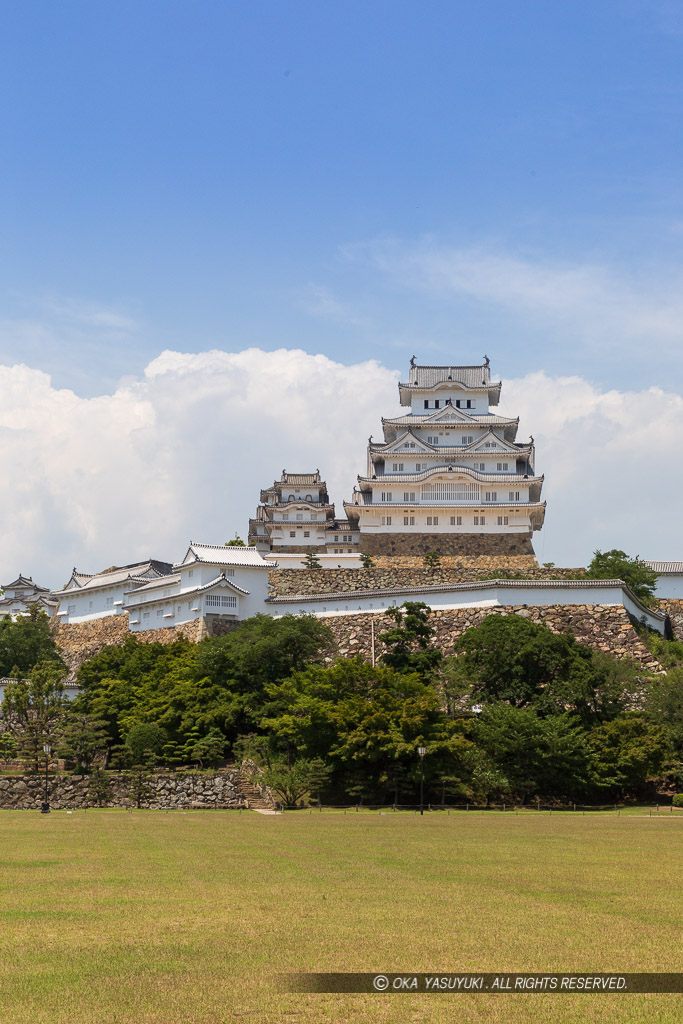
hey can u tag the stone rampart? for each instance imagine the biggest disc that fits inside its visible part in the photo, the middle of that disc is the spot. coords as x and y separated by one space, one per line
607 629
674 609
172 790
79 641
316 581
484 563
460 544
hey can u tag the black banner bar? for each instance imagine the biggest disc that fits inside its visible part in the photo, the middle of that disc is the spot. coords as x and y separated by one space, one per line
442 982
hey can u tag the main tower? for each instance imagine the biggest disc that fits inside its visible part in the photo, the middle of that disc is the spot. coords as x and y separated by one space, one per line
449 475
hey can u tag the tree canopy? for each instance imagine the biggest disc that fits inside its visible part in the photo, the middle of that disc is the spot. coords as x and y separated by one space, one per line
617 565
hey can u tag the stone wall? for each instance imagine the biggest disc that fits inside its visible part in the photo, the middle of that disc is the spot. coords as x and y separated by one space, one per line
316 581
674 609
460 544
172 790
485 563
606 629
79 641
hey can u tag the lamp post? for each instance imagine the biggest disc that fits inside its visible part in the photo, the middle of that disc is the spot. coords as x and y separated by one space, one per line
45 809
422 751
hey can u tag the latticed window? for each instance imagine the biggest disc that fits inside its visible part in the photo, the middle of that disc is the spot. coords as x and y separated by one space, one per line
456 491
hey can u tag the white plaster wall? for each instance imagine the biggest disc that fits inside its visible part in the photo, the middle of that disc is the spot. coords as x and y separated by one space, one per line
534 595
92 604
670 586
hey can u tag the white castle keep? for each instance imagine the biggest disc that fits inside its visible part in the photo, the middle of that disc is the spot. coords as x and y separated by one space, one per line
449 475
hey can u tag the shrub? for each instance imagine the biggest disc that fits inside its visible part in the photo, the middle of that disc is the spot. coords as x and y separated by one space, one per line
678 800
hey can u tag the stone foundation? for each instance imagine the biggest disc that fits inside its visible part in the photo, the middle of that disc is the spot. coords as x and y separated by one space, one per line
502 545
79 641
607 629
674 609
316 581
483 563
172 790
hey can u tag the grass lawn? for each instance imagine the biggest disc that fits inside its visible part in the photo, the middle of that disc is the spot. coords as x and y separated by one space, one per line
179 918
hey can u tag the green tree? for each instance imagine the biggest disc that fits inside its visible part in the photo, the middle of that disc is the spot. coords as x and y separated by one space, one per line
292 782
509 658
311 560
26 643
408 643
617 565
367 561
145 741
33 710
546 757
141 788
627 752
81 738
100 789
236 542
431 560
8 748
210 749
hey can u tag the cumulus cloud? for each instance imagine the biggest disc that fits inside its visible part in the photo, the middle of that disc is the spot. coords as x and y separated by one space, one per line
182 452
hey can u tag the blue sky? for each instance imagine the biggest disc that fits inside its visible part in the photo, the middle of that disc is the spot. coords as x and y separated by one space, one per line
361 180
223 174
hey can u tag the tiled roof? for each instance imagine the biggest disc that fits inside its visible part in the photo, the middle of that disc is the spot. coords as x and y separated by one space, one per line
301 479
180 595
664 567
136 572
217 554
469 419
22 581
469 376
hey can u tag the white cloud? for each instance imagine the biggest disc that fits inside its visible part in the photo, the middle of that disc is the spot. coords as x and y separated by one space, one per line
183 451
591 303
612 466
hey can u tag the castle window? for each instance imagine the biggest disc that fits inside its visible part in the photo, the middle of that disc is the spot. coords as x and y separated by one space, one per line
469 403
299 517
436 404
514 495
503 466
409 520
398 467
309 498
456 520
492 496
409 495
418 467
426 404
307 533
386 495
292 533
503 520
457 403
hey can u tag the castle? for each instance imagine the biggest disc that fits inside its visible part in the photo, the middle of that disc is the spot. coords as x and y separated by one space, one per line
449 477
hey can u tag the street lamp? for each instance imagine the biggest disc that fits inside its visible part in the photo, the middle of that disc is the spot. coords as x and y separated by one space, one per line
45 809
422 751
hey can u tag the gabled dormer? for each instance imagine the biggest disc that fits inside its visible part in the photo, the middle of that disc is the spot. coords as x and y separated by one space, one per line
490 442
406 443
